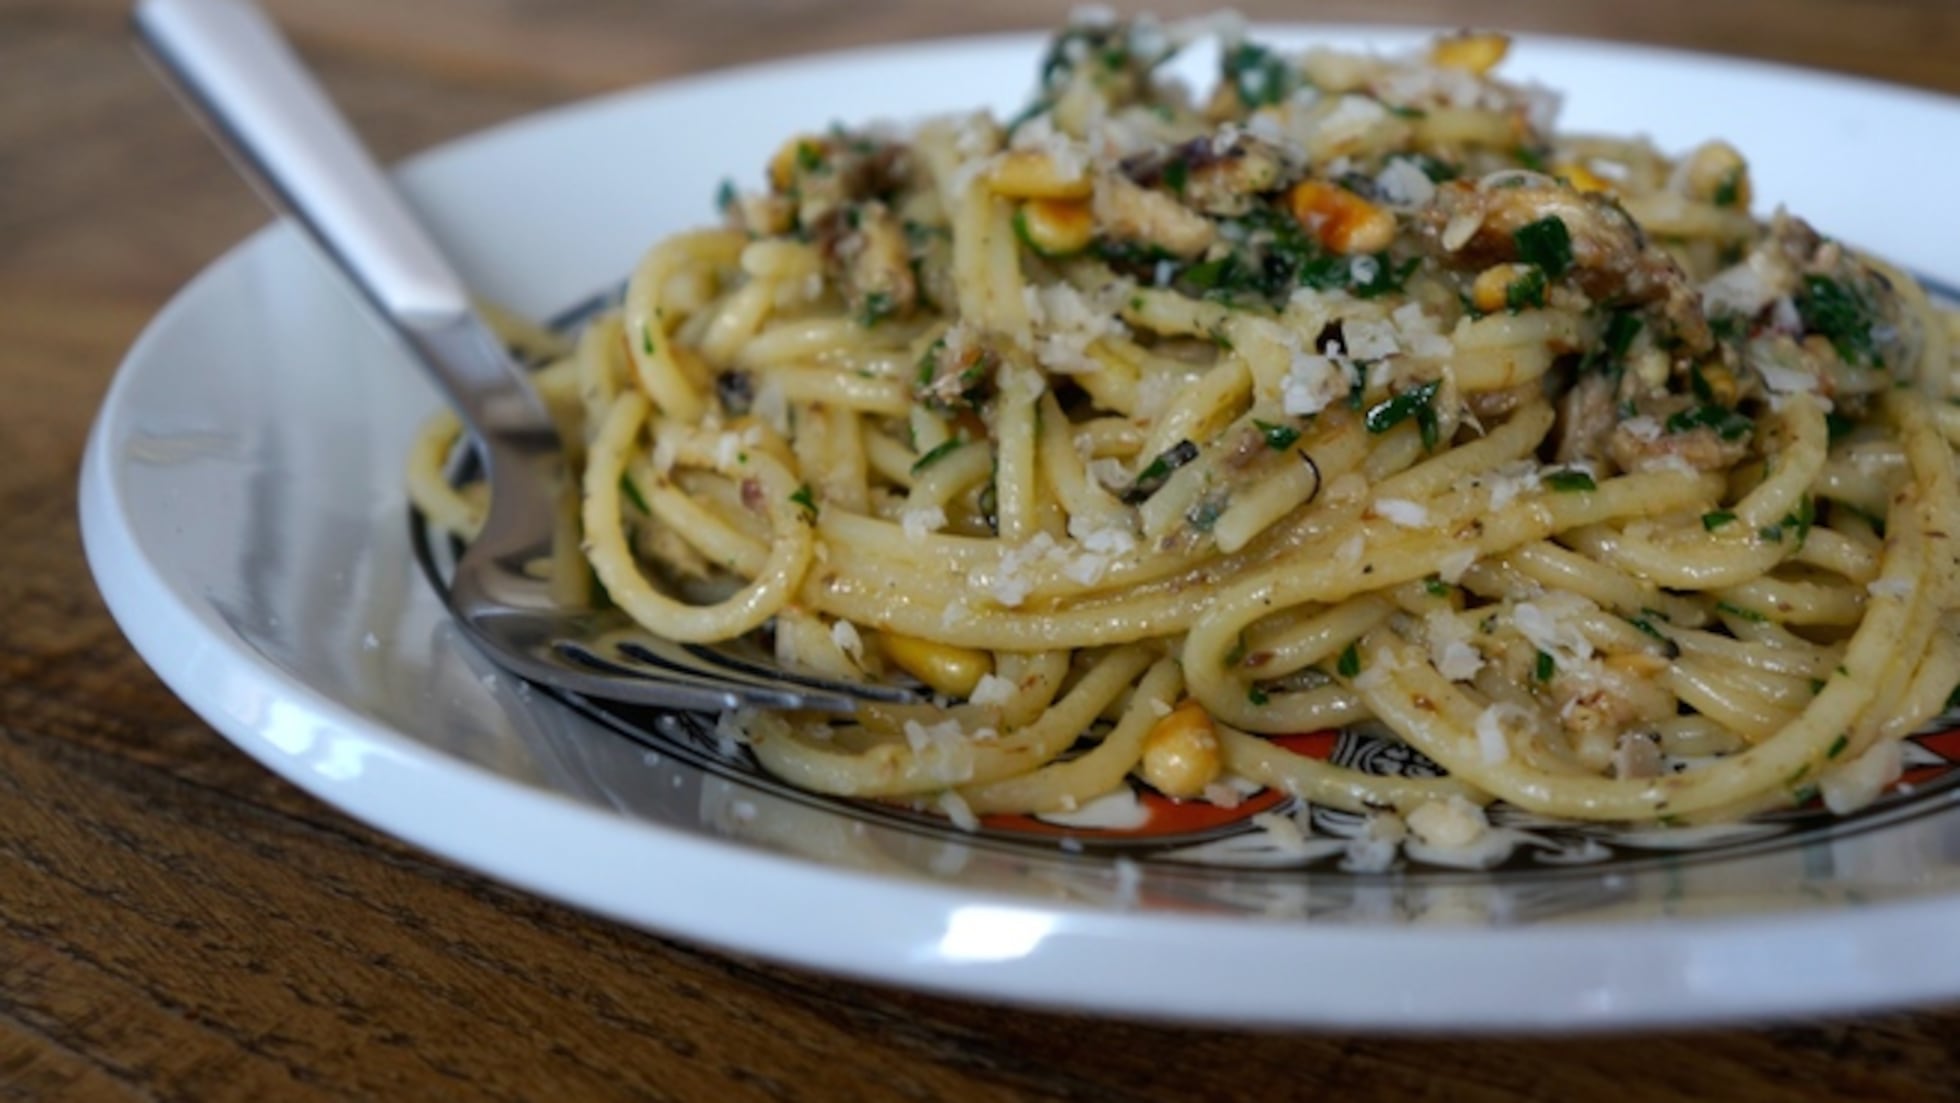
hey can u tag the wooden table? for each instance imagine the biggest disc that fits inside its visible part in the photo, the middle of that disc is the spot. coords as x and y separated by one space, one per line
176 923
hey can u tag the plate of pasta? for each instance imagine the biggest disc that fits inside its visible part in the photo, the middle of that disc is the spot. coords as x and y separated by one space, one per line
1372 528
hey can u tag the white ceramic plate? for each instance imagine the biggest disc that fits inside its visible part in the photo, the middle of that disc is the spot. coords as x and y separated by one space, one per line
243 515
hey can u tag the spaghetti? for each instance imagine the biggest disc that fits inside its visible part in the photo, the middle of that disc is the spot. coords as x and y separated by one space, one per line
1142 427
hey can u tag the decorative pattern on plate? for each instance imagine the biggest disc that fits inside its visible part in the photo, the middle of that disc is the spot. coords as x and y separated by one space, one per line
1274 831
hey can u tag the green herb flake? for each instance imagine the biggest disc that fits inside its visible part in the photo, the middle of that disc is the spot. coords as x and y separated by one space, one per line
1726 423
1349 663
1176 175
725 196
1387 278
1237 653
1729 192
1416 402
646 339
809 157
1611 354
1545 243
1151 478
1837 746
1838 426
632 492
1437 587
936 453
1278 437
1739 611
878 305
1715 519
1567 482
1839 312
1256 696
1802 518
806 498
1546 667
1698 383
1204 516
1439 171
1260 76
1526 291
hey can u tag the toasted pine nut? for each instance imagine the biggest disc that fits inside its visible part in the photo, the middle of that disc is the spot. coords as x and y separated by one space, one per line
1032 174
950 670
1341 220
1055 227
1472 52
1180 752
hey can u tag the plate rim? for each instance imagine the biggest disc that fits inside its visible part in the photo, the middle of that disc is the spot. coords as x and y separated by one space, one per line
1738 973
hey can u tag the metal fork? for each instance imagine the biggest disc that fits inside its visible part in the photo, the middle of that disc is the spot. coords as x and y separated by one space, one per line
237 73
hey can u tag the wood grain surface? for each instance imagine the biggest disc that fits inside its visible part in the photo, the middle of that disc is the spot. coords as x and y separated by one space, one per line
175 923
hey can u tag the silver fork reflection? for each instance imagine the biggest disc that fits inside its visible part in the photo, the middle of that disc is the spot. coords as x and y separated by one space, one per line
237 73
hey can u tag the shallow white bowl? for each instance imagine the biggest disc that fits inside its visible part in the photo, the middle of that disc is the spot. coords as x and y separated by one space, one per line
243 514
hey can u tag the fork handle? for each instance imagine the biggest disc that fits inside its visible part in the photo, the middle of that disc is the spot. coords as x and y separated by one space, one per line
243 78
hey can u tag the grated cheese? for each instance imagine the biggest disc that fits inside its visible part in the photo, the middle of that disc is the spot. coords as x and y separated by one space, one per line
992 689
1313 383
1494 727
1448 823
1401 511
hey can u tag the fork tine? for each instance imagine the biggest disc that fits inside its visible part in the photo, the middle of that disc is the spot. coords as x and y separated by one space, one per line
714 663
727 659
690 687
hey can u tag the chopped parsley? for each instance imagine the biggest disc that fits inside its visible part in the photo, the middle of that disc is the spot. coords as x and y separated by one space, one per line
1729 192
1698 383
1436 586
1349 663
1531 158
809 157
1569 481
725 195
1802 518
1739 611
646 338
1839 313
1611 354
1278 437
1177 173
1152 478
1716 518
936 453
1204 516
1358 389
1417 402
1257 74
1645 623
806 498
1256 696
1727 423
1838 426
1837 746
1436 169
878 305
1546 667
1527 290
632 491
1545 243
